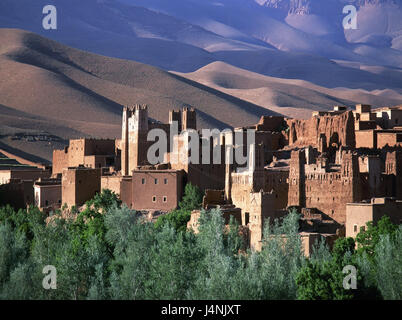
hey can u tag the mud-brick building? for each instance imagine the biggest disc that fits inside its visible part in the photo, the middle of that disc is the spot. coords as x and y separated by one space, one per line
358 214
17 193
92 153
159 190
135 128
327 187
80 184
47 193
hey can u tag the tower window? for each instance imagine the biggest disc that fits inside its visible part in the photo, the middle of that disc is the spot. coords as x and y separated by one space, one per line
143 181
165 181
355 228
164 199
154 199
156 181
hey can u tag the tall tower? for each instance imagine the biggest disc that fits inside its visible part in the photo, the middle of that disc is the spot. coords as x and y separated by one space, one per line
297 195
256 166
138 131
134 138
189 119
175 116
350 176
124 141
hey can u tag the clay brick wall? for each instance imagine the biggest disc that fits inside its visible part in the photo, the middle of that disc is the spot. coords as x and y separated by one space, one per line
358 214
112 183
296 195
393 168
337 129
327 191
205 176
261 208
80 185
366 139
157 190
126 191
17 194
47 195
271 123
99 147
392 139
278 181
60 161
213 197
76 153
33 175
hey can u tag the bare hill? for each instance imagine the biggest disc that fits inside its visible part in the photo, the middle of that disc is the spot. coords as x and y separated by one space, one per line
49 87
291 97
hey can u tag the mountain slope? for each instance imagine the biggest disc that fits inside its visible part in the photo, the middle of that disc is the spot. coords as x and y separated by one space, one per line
293 98
185 35
50 87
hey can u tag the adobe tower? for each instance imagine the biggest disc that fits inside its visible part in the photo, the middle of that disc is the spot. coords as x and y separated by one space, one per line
134 138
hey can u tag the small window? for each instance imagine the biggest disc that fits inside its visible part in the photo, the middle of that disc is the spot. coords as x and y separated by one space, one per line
165 181
47 202
355 228
143 181
164 199
154 199
156 181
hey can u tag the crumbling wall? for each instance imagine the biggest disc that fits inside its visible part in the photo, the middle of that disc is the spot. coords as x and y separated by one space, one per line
338 129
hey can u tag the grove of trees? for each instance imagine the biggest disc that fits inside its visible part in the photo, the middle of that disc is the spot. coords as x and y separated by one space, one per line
110 252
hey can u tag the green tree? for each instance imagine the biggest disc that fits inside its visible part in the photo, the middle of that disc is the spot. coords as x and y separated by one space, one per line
369 238
192 199
388 261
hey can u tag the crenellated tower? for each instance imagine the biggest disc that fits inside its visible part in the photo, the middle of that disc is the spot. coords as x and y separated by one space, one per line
189 119
134 138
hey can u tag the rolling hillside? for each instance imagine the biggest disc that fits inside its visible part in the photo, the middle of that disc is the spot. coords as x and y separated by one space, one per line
291 97
49 87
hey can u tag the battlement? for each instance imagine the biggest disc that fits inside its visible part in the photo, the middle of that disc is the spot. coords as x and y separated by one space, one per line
135 107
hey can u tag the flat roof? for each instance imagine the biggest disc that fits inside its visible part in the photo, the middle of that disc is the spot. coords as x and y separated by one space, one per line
156 170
